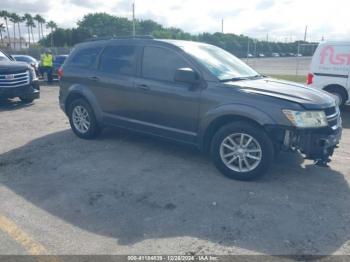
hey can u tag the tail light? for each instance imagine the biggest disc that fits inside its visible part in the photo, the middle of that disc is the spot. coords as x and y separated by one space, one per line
309 79
60 73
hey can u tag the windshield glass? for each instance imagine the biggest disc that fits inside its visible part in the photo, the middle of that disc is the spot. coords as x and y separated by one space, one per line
3 57
221 63
24 59
60 59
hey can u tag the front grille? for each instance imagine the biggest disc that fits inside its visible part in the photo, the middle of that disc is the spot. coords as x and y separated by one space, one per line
333 117
330 111
14 80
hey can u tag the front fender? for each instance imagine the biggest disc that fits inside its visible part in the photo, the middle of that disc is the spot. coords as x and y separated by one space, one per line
233 110
87 94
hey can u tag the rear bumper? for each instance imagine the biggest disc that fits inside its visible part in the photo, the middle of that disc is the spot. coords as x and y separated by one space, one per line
27 91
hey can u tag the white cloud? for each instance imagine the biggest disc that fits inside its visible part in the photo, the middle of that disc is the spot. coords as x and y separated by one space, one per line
282 19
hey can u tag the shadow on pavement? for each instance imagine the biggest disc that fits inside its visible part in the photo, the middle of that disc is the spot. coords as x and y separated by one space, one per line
134 188
12 104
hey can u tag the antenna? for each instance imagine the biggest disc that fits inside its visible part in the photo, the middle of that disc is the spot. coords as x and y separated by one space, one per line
305 33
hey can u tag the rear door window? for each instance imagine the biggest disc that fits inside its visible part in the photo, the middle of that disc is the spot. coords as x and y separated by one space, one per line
85 58
119 59
161 64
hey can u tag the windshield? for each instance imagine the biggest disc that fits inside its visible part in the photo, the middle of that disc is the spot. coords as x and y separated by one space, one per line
60 59
24 59
221 63
3 57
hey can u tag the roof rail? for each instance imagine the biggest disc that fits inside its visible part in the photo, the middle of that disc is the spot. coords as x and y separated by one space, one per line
119 37
136 36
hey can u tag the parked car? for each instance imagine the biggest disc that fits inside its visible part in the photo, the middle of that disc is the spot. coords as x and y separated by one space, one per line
249 55
261 55
17 79
198 94
329 70
275 55
29 60
57 63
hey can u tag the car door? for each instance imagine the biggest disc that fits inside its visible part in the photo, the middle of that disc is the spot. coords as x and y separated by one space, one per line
115 76
161 105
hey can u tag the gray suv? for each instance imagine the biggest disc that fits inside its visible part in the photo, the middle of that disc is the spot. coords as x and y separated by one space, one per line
197 94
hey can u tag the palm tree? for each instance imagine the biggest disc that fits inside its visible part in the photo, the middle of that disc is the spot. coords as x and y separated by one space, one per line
2 29
39 19
19 21
32 25
42 22
29 20
4 14
52 25
14 18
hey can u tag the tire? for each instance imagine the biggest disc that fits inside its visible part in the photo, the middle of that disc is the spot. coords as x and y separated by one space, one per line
89 128
27 100
260 147
341 94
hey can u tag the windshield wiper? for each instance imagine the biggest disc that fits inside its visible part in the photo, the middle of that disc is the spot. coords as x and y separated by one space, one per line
234 79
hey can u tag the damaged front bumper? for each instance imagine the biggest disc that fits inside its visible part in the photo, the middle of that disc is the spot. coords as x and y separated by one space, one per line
315 144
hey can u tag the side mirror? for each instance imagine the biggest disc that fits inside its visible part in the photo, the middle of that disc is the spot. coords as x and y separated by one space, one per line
186 75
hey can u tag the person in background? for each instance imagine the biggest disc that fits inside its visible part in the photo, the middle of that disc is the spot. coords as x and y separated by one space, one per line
47 64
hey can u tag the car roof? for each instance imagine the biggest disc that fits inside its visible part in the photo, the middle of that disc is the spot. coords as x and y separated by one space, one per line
143 40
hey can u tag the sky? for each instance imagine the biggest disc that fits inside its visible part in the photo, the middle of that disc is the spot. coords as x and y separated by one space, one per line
279 20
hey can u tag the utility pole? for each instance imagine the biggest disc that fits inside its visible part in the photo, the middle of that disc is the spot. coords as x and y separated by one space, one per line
248 47
133 19
305 33
222 25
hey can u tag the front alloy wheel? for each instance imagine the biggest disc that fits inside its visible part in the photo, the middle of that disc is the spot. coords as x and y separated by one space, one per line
242 150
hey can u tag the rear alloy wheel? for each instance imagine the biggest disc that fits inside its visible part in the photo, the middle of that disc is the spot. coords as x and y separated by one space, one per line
242 151
82 119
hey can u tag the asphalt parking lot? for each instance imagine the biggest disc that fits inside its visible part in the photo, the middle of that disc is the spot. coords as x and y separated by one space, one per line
280 65
129 194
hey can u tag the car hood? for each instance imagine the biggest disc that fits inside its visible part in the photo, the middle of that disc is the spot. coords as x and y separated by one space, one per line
309 98
12 67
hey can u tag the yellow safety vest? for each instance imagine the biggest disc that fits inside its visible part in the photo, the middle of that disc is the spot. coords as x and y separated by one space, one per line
46 60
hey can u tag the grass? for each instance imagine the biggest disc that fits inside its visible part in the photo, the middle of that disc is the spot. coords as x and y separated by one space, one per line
294 78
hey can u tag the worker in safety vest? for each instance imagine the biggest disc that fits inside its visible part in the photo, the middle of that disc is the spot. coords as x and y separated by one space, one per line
47 64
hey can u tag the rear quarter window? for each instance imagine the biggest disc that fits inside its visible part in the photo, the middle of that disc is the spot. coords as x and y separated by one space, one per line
119 59
85 58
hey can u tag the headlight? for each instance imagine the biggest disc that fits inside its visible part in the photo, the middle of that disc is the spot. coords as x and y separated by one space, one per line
32 73
306 119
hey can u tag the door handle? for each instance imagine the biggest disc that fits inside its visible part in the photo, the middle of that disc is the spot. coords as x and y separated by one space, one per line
94 78
143 86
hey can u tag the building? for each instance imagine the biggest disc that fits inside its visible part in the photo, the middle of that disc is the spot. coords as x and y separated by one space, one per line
14 43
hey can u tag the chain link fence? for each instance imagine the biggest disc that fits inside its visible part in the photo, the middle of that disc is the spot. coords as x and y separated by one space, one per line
37 51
